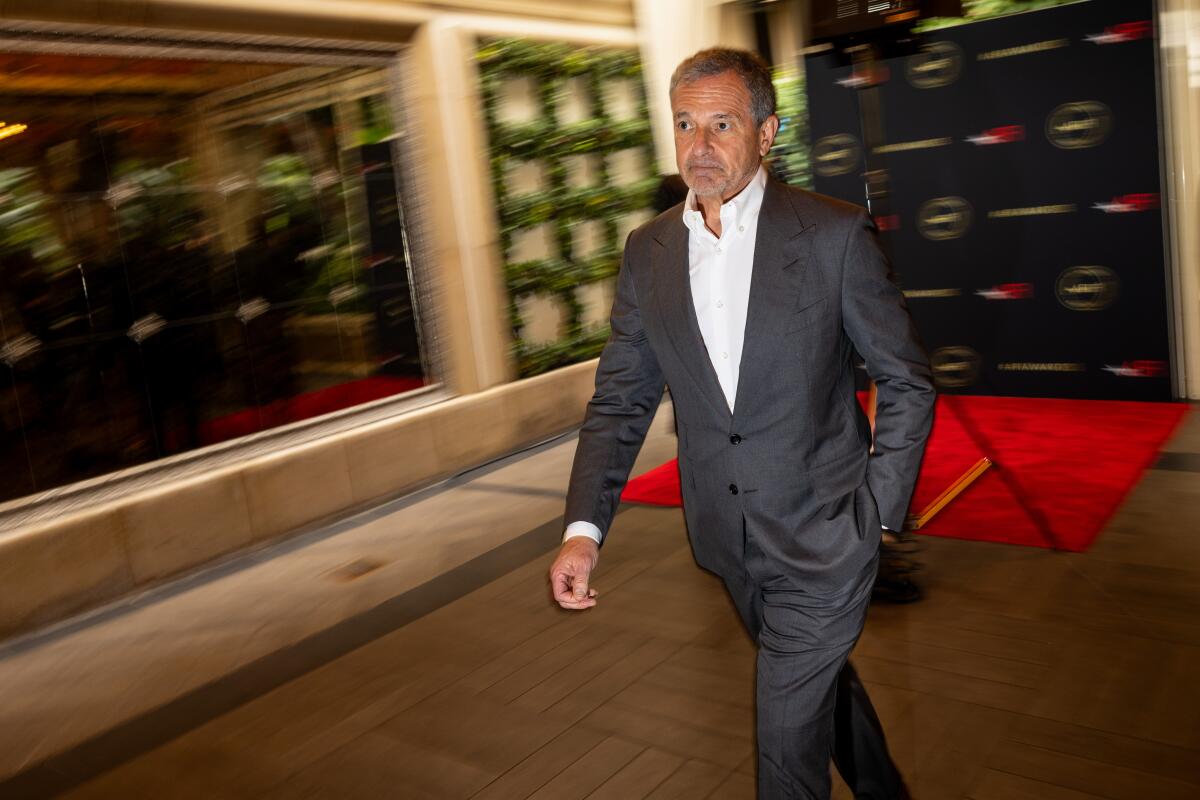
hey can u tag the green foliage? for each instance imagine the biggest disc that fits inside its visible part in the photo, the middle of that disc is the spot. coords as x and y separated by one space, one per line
975 10
24 223
291 198
287 187
376 120
153 201
550 66
789 155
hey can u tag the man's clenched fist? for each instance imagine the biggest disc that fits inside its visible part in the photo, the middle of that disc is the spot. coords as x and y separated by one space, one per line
571 571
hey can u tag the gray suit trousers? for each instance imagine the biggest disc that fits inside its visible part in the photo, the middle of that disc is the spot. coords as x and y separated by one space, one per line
804 640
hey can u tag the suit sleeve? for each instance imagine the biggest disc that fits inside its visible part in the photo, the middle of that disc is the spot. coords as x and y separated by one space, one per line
876 319
629 388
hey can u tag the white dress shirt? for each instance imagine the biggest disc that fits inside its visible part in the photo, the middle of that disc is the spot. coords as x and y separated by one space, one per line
720 270
720 276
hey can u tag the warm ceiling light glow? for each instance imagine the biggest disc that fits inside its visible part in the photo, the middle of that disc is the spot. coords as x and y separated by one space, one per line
11 130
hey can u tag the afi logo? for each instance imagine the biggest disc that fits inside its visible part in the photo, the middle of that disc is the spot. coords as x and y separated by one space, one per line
1079 125
1139 369
955 367
1005 134
1127 203
1087 288
944 218
1123 32
938 64
836 155
1008 291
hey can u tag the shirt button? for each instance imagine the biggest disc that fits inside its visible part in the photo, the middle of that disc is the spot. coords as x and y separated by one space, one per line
724 355
720 304
733 488
718 248
741 228
735 439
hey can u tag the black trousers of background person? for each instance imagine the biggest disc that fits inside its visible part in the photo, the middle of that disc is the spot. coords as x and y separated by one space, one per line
811 704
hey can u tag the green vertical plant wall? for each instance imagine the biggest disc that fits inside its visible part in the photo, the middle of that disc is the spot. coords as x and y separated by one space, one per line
549 66
562 206
789 156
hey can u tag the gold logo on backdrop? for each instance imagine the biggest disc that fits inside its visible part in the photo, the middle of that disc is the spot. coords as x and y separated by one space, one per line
1087 288
938 64
944 218
1073 126
955 367
1041 366
1033 211
921 144
836 155
918 294
1024 49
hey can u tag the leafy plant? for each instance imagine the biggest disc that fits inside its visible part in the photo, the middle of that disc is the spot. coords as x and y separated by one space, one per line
789 156
327 272
287 188
976 10
153 200
24 224
551 142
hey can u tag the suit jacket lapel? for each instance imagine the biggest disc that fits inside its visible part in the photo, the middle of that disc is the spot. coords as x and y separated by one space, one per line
673 292
781 247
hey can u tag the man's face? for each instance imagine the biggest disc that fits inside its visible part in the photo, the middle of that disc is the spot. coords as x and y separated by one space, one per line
717 145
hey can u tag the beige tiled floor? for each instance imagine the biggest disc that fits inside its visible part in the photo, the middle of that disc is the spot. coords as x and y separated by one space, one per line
1024 674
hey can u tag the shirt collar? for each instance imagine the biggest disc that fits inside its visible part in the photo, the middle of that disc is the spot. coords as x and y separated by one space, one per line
744 206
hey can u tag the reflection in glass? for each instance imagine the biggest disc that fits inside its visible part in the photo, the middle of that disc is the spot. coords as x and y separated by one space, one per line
191 251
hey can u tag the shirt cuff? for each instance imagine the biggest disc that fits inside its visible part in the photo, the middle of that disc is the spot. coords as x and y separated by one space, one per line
582 528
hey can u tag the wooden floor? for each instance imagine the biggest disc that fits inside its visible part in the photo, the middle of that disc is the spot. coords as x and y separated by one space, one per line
1024 674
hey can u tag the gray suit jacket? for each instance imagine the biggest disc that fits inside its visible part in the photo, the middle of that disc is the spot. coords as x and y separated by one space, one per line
790 467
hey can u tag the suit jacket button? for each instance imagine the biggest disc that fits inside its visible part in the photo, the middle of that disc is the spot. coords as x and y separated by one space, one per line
735 439
733 488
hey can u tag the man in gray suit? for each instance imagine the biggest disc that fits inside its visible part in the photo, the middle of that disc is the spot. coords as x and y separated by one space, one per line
748 300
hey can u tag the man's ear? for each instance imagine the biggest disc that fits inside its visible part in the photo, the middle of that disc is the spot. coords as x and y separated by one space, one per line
766 134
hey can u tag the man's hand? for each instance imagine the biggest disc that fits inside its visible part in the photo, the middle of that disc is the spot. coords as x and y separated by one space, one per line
571 571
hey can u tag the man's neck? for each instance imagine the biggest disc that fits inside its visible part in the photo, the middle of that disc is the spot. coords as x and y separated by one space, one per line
710 205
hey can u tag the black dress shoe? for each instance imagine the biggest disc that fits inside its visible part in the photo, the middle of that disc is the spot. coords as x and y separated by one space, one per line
896 589
898 563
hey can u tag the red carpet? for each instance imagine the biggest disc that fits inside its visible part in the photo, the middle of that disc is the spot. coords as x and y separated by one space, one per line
1073 460
305 406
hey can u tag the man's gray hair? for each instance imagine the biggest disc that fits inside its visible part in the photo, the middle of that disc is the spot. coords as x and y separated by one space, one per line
750 67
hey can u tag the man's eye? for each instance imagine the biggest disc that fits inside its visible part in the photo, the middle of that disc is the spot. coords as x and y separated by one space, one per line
722 126
684 125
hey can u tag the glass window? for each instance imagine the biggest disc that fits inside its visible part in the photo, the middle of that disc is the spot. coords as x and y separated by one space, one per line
192 251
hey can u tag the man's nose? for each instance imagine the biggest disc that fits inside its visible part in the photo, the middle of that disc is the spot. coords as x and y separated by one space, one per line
703 141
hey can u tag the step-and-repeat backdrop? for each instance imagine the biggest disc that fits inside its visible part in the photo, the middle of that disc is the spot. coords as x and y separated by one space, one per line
1023 214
